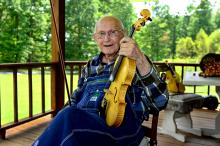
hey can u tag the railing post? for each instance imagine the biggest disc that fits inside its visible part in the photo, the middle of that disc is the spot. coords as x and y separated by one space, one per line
15 91
30 82
2 133
43 89
57 80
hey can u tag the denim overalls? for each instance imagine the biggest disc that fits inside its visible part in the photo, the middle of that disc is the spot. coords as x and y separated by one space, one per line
93 93
84 124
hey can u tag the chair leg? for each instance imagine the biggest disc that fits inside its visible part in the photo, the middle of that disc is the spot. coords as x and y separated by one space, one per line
152 143
150 132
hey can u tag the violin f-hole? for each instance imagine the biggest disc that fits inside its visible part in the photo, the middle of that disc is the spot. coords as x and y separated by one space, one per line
115 96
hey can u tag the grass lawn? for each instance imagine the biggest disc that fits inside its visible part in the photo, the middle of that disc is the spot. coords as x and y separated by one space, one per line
6 95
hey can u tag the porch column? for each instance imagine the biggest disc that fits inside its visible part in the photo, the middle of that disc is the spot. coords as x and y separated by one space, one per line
57 80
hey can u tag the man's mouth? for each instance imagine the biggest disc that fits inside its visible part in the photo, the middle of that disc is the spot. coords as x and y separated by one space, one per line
108 45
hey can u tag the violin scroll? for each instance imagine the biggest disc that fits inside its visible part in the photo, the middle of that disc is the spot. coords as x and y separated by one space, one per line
145 13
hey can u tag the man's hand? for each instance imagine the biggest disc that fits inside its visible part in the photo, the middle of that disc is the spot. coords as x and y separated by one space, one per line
129 48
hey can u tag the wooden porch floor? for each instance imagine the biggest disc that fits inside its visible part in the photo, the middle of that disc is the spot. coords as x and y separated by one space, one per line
25 134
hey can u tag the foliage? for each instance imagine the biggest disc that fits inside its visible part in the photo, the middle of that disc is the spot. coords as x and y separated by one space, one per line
202 43
186 48
79 29
201 18
25 31
217 19
214 46
121 9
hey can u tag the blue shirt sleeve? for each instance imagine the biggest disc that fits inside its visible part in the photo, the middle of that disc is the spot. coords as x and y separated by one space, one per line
154 94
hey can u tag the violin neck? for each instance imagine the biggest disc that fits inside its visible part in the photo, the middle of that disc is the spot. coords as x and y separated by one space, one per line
116 67
120 58
132 31
171 70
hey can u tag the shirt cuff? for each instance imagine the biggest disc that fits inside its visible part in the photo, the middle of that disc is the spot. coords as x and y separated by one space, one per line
150 78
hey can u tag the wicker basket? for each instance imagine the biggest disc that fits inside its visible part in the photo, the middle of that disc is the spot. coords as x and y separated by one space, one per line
210 65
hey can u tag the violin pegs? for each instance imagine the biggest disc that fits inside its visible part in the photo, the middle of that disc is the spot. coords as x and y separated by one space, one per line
143 24
149 19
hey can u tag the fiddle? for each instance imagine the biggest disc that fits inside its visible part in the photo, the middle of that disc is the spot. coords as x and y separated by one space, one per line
121 77
174 84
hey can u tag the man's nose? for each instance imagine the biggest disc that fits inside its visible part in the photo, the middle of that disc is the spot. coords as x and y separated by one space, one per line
107 36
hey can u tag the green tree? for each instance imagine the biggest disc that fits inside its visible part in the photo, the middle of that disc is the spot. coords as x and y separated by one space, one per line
149 40
201 18
121 9
217 18
23 31
79 19
9 41
36 19
214 46
202 43
186 48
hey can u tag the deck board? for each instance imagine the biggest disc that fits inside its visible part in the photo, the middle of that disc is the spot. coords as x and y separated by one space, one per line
25 134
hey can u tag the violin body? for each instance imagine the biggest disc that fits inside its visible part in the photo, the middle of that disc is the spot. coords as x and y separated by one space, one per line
115 95
174 84
173 79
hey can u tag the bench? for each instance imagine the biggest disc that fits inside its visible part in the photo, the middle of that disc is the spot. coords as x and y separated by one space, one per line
177 115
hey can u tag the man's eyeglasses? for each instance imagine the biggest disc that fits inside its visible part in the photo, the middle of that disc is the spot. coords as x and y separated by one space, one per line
111 34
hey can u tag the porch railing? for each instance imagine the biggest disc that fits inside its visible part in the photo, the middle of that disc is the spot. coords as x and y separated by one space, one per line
73 69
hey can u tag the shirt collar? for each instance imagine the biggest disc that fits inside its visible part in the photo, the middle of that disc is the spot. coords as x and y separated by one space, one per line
98 59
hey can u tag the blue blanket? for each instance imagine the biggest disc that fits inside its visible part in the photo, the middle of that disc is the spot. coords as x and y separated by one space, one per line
77 127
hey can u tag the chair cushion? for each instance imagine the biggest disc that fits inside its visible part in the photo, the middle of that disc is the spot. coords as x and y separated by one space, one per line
184 103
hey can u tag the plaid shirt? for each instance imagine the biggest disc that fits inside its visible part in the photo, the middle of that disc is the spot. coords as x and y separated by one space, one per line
144 89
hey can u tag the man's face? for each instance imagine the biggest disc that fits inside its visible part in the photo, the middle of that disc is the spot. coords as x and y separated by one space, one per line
108 35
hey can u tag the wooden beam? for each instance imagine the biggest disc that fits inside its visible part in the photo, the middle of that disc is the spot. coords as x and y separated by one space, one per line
57 80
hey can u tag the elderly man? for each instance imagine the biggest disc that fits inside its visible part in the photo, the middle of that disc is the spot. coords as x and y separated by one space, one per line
83 123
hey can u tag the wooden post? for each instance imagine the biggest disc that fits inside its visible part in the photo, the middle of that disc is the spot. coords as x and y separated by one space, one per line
57 80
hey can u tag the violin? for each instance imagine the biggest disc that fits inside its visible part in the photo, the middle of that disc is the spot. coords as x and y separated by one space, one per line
174 84
121 78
